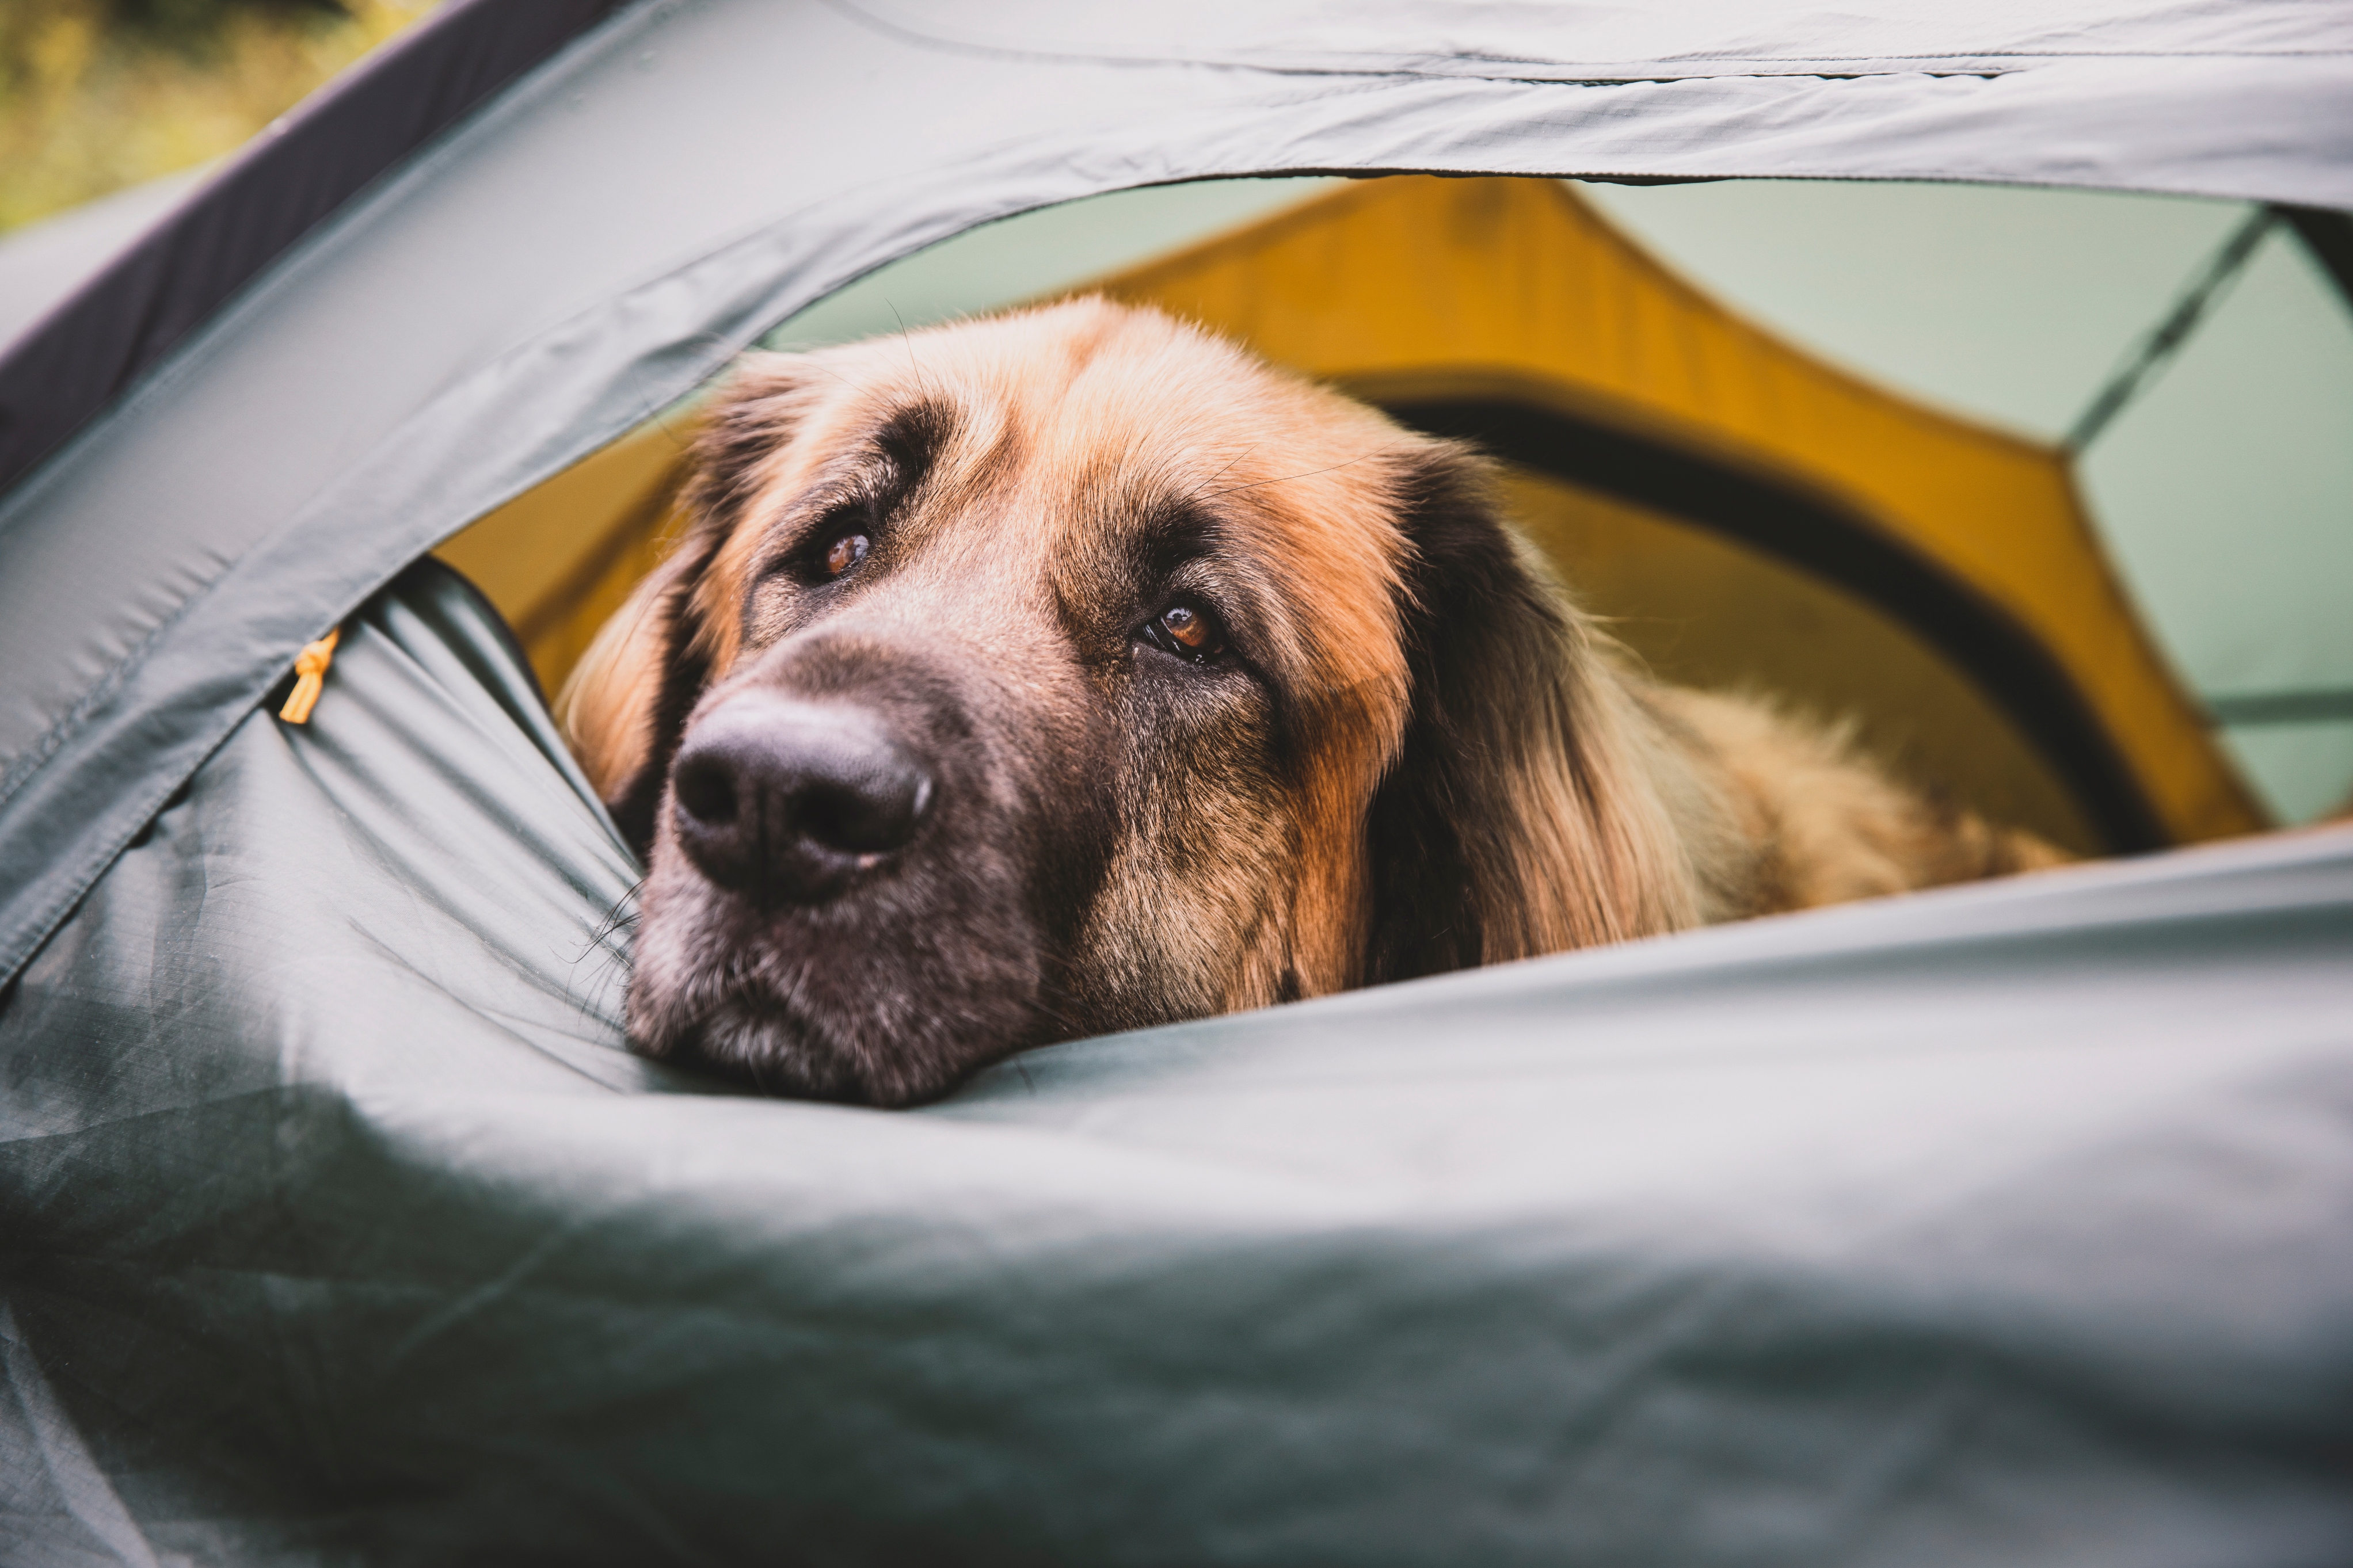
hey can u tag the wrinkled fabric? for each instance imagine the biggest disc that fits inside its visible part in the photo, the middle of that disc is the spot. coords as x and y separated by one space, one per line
1994 1226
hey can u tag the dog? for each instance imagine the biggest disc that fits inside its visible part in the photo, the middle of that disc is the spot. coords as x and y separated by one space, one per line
1071 670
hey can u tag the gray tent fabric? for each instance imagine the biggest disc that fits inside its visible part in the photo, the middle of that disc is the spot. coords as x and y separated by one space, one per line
1994 1226
337 1222
604 235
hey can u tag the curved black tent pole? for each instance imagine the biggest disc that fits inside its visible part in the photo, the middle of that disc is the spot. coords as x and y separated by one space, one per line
98 342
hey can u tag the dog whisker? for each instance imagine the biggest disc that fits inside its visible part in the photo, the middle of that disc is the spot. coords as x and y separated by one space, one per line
1230 464
907 340
1288 478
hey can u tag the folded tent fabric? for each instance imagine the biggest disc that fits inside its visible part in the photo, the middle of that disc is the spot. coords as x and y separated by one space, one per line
1992 1225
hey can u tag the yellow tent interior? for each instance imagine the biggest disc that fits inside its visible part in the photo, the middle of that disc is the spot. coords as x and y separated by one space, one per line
1743 513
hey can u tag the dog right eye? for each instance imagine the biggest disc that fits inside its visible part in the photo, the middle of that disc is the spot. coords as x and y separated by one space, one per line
1187 631
847 551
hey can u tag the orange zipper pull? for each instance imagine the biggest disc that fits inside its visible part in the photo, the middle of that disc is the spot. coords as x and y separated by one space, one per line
311 674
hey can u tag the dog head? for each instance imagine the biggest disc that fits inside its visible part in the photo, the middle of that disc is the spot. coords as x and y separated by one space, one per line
1071 671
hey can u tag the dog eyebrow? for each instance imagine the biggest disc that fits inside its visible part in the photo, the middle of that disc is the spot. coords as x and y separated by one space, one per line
883 467
914 436
1175 530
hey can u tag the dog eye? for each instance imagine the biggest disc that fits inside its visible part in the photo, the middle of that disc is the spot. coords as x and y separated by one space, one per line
1187 631
845 551
1190 628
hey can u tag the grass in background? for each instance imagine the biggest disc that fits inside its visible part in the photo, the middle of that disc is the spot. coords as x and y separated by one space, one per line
97 95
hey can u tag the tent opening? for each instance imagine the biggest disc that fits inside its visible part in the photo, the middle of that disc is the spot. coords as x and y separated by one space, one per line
1800 439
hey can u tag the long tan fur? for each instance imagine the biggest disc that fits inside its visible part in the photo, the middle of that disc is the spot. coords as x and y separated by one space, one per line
1419 754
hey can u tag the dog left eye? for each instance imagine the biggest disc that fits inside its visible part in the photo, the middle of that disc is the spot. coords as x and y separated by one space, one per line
1189 631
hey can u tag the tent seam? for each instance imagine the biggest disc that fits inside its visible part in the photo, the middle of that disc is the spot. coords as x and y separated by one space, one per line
1402 65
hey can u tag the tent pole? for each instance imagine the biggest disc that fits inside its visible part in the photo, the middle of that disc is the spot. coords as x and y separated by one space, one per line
2328 236
2146 357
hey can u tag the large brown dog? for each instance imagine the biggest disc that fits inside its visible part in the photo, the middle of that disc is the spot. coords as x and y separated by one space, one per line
1072 670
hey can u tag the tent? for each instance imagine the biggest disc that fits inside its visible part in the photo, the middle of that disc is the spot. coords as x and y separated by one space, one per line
1995 1225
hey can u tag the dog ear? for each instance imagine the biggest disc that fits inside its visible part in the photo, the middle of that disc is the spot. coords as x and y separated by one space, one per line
624 707
624 704
1519 816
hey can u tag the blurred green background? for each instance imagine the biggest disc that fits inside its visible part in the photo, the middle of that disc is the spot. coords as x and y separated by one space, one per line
98 95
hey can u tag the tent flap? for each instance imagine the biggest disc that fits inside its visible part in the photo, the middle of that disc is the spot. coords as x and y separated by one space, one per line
1993 1226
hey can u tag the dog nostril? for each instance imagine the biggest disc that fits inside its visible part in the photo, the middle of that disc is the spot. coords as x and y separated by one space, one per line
706 790
868 815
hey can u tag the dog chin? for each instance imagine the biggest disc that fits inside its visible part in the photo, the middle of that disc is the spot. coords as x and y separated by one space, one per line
772 1044
793 1013
762 1042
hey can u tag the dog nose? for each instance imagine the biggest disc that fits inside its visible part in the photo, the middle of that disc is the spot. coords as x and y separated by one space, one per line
788 800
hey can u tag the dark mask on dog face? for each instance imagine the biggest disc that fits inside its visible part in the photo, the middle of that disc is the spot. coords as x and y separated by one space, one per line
1045 675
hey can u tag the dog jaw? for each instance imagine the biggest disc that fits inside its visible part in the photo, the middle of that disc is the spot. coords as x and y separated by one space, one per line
835 1003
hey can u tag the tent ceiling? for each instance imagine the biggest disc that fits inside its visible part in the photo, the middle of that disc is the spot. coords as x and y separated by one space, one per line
44 263
1509 311
2221 490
